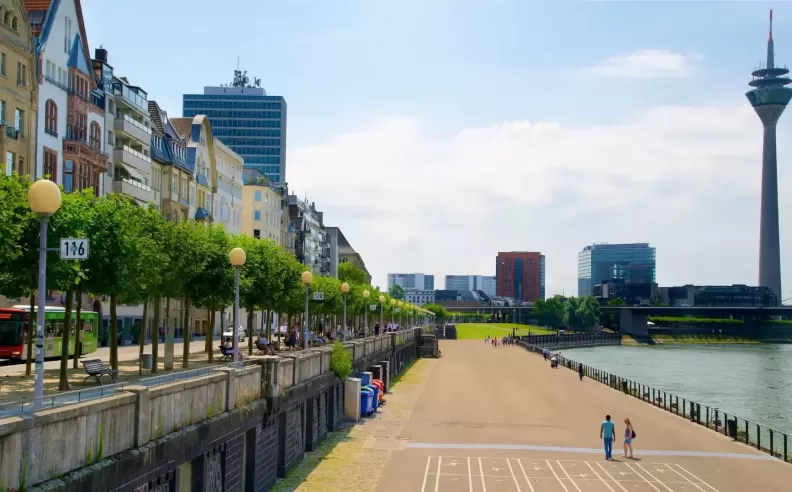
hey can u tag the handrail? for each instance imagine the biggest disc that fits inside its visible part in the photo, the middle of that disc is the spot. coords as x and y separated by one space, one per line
136 123
134 152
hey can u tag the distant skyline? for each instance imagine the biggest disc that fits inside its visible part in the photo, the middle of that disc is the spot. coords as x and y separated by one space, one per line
436 134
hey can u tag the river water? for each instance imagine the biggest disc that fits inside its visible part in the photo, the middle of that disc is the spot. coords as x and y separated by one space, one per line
751 381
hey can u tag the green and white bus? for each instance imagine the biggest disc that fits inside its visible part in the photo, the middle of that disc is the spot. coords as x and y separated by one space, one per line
13 331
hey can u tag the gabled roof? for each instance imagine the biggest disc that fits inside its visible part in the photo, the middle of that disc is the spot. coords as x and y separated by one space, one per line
77 57
162 124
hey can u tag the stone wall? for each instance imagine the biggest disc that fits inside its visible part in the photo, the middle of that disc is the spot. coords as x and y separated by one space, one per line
233 430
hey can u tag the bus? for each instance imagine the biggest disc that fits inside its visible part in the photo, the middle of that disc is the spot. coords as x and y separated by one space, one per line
13 334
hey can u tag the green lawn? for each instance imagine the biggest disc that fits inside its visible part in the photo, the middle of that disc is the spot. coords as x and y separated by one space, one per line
479 331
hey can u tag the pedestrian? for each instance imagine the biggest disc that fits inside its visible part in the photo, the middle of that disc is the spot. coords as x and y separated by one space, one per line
629 435
544 353
580 371
608 434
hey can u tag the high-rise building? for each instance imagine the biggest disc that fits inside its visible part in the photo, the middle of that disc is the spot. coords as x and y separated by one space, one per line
520 275
411 281
246 119
631 263
483 283
769 99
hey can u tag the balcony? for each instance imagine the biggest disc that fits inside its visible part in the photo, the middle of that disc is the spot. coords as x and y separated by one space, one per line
12 132
133 158
133 189
127 125
127 97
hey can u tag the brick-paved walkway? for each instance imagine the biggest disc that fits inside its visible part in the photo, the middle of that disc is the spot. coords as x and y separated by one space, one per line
353 458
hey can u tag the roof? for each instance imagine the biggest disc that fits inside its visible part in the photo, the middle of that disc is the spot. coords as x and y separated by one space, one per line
161 123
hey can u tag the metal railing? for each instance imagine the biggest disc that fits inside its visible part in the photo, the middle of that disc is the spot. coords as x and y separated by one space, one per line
572 340
27 407
761 437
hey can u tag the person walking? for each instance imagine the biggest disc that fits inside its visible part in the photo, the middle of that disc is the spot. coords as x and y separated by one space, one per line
608 434
629 435
580 371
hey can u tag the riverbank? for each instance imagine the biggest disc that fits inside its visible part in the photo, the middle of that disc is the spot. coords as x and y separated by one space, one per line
480 331
709 339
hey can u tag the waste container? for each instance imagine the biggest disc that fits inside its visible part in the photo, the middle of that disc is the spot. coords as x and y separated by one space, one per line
365 378
731 428
366 401
146 361
375 403
381 390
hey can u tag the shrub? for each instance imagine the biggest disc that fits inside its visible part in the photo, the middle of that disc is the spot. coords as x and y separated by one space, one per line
340 361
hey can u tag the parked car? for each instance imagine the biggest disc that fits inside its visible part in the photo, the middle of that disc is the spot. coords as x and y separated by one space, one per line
229 333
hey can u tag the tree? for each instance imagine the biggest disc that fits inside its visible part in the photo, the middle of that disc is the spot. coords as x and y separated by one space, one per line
612 320
396 291
550 312
439 311
347 272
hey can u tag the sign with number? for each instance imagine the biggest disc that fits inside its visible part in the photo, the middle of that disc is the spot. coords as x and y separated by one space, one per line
74 249
373 307
318 296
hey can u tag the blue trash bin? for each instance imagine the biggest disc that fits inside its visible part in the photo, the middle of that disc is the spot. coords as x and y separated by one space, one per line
366 401
376 395
366 378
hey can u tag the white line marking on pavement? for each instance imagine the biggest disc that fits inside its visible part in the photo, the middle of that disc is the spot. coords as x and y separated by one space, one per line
653 477
437 478
426 473
610 476
470 475
481 471
567 474
556 475
697 478
525 475
684 477
514 477
598 476
644 478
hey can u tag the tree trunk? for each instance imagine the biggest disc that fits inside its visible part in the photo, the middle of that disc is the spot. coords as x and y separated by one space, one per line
78 331
263 322
113 333
186 324
30 334
168 335
63 378
155 336
142 337
250 329
209 347
268 329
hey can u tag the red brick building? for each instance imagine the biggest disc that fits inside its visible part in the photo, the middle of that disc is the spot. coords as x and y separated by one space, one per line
520 275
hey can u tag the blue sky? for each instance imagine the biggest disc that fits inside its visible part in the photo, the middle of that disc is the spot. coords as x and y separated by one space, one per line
399 91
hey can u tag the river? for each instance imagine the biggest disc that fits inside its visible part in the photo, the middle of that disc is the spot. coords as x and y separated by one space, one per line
751 381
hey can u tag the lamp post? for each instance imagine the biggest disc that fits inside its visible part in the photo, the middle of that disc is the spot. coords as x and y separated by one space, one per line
44 198
237 257
393 312
401 308
345 293
382 305
306 278
366 295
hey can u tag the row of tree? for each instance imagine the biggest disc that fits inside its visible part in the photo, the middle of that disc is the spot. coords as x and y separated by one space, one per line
576 313
137 257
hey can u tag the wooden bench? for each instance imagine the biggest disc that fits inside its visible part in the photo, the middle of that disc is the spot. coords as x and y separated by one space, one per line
97 369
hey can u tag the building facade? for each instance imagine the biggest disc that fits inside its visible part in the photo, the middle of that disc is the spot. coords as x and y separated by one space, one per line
347 254
18 103
249 121
632 263
228 200
520 275
263 209
719 296
471 282
197 132
414 281
420 297
308 236
169 152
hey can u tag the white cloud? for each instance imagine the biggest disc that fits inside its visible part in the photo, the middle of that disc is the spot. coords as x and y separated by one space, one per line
685 179
648 64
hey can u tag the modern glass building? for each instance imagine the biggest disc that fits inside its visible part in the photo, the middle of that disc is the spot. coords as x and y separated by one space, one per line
598 263
248 121
471 282
411 281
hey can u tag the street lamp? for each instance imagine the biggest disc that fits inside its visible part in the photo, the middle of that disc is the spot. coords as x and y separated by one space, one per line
393 311
366 295
237 258
306 278
401 308
345 292
382 304
44 198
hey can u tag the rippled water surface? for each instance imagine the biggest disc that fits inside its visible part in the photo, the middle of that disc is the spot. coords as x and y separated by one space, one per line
751 381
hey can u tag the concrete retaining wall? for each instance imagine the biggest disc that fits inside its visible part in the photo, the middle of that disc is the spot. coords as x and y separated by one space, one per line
253 422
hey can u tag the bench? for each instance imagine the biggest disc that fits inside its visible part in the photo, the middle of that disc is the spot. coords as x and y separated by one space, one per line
97 369
228 354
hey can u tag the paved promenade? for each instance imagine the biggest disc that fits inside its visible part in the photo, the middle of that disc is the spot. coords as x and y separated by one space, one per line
499 419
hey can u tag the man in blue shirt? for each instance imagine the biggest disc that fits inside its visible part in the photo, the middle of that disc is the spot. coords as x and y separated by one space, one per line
608 434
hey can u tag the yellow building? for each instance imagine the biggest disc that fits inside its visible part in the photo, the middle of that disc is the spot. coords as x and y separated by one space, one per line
263 208
169 151
201 157
18 89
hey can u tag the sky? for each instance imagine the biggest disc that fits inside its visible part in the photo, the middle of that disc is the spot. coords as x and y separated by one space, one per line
437 133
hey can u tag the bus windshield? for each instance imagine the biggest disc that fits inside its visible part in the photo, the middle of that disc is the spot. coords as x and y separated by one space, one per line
11 327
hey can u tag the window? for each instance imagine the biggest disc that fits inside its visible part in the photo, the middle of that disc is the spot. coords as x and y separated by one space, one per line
257 233
19 121
10 160
51 164
257 196
7 18
51 121
174 185
2 64
14 23
2 111
68 176
21 75
67 35
21 165
257 215
96 136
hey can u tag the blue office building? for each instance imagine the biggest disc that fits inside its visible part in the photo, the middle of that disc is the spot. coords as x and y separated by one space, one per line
627 263
246 119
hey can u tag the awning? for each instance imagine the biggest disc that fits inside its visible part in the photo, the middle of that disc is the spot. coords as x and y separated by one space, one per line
133 173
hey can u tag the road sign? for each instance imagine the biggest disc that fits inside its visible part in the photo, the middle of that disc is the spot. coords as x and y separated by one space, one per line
373 307
74 249
318 296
